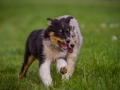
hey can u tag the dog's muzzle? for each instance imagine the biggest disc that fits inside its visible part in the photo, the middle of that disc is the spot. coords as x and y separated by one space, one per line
68 40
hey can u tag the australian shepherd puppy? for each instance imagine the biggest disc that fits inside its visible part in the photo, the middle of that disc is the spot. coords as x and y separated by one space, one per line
73 46
47 45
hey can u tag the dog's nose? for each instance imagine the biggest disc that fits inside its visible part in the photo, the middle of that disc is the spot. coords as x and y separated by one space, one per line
72 45
67 40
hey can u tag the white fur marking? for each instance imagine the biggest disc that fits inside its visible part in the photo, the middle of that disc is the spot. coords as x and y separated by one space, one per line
60 63
44 72
53 53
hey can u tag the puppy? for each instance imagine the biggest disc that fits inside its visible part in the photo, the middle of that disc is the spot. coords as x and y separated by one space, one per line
73 46
48 45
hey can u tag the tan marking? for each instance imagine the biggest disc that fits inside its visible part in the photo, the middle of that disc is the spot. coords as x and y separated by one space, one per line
55 39
75 39
71 58
61 31
30 61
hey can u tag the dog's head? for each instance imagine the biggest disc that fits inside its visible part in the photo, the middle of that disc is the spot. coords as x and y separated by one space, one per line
58 32
73 39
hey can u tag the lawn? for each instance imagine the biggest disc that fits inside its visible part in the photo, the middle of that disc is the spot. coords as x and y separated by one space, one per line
98 63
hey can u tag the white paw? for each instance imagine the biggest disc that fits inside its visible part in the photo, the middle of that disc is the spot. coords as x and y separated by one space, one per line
65 77
47 82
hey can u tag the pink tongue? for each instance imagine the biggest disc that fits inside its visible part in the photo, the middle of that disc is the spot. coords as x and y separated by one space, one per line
63 46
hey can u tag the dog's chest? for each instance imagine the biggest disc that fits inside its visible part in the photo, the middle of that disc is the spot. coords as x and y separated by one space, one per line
53 53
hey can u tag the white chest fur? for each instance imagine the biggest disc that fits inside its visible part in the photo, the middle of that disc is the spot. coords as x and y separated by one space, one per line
52 52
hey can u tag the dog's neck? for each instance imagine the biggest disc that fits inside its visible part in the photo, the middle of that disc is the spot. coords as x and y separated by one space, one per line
48 43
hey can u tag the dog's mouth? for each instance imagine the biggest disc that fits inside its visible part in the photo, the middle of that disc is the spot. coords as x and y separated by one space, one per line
63 46
70 50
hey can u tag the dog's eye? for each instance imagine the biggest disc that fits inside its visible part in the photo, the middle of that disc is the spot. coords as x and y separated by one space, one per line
72 36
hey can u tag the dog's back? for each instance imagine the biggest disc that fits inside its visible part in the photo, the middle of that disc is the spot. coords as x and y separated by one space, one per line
31 43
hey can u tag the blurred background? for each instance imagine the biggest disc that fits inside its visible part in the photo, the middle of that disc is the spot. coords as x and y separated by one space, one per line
99 22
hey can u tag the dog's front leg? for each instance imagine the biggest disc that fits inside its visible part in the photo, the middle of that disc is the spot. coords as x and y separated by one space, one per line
61 65
71 59
44 72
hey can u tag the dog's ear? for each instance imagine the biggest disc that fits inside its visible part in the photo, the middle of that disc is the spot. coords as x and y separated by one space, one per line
68 19
49 21
52 22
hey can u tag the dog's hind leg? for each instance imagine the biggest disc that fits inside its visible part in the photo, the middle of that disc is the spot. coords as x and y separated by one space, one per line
28 60
26 66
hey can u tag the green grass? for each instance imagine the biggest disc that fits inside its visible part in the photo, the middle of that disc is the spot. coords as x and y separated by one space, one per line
98 64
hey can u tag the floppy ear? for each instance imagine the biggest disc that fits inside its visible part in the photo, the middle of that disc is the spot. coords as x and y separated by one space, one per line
50 21
68 19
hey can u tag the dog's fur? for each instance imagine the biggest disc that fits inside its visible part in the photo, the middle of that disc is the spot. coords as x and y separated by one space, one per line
47 45
74 45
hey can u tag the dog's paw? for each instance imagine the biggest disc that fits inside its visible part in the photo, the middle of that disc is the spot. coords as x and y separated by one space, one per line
21 75
65 77
63 70
47 82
